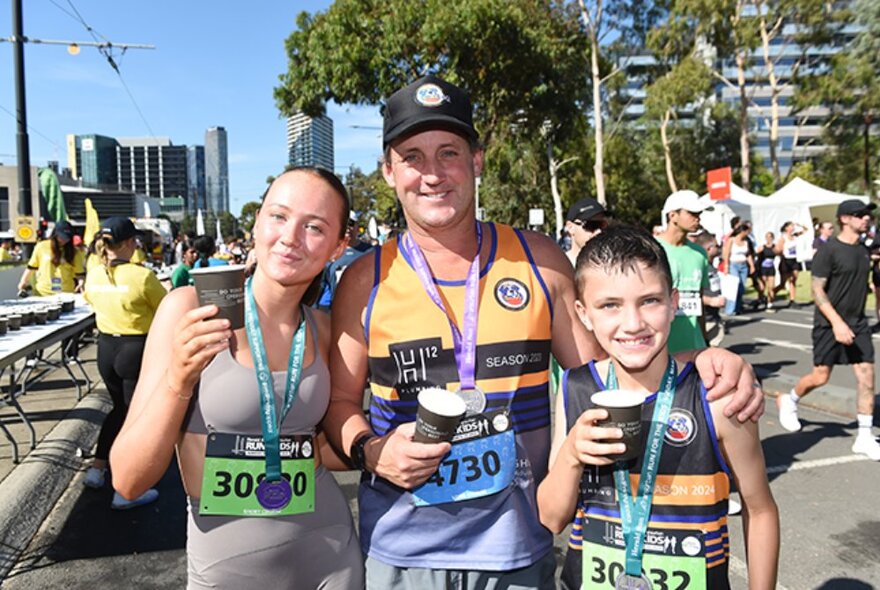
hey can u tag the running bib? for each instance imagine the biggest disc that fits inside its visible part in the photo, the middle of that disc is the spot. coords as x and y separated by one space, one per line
235 464
690 303
673 559
482 461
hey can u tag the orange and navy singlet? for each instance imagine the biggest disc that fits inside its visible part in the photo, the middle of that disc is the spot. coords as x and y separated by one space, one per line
689 512
411 348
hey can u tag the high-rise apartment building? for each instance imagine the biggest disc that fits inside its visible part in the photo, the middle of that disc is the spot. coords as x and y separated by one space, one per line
310 141
92 159
195 175
151 166
216 170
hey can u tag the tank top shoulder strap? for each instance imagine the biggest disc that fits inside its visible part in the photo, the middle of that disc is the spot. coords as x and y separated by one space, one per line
313 325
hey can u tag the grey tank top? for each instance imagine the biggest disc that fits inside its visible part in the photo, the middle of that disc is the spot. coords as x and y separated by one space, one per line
228 399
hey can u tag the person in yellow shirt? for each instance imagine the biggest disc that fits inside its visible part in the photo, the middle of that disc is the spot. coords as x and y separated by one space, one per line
125 298
59 266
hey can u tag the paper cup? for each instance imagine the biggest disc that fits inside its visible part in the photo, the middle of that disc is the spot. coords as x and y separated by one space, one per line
625 412
440 411
14 321
222 286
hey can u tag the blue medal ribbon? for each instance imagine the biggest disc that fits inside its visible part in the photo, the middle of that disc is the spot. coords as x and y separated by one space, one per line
634 515
464 341
270 423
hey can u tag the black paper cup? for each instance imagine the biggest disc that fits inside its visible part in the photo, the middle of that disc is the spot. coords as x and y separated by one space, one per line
222 286
14 321
440 411
625 412
41 316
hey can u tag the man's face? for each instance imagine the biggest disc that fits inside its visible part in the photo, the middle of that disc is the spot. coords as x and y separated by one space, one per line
686 220
858 222
433 174
582 231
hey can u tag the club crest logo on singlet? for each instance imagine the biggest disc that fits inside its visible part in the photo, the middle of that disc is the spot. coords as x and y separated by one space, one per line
430 95
512 294
681 429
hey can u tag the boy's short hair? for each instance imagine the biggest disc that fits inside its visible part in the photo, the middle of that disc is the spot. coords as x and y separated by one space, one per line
621 248
704 239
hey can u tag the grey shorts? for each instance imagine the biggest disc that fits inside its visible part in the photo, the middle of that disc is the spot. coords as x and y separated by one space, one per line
538 576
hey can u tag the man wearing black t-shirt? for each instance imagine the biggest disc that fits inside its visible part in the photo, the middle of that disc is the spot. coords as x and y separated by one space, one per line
840 329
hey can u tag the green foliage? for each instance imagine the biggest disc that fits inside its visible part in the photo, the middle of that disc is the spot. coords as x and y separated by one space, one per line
248 215
370 195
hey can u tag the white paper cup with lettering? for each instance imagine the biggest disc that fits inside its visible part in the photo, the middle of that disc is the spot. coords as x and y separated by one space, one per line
440 411
624 409
222 286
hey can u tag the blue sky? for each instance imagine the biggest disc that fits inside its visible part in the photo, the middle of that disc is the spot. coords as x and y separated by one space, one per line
214 64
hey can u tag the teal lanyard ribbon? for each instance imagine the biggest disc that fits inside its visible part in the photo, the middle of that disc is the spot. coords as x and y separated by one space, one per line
634 515
270 423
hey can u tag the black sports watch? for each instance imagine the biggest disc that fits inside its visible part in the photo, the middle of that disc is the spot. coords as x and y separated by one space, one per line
357 454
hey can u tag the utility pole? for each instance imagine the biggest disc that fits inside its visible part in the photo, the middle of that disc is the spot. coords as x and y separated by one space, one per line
18 39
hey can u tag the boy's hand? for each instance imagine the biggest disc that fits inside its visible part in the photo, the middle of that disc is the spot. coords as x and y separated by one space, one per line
585 444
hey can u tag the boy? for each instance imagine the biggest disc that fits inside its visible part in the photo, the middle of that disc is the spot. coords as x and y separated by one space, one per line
625 297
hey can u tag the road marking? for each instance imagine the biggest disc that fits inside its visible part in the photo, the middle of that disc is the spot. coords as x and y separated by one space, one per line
738 567
786 344
801 465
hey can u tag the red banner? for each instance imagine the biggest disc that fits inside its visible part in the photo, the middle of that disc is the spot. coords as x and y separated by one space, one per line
718 184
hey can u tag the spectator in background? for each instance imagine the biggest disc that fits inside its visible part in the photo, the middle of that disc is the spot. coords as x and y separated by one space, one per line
765 261
584 220
206 248
6 251
738 259
354 249
180 277
786 248
734 223
713 301
125 298
59 266
824 231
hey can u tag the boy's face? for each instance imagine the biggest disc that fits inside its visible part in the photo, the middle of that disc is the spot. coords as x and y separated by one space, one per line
630 313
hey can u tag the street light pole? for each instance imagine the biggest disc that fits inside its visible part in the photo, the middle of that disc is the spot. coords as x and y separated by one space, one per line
21 136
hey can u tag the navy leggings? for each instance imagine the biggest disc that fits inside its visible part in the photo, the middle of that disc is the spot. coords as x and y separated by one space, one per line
119 363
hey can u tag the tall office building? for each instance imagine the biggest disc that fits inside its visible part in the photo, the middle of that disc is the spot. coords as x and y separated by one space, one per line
310 141
216 170
195 176
151 166
92 159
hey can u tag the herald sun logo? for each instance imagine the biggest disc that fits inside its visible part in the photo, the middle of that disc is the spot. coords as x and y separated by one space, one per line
430 95
512 294
681 429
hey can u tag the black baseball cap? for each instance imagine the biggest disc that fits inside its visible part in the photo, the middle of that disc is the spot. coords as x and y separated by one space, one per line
63 230
428 103
854 207
584 210
118 229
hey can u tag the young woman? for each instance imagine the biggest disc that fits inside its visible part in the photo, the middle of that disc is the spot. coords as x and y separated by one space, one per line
125 298
786 248
766 269
739 262
60 267
263 509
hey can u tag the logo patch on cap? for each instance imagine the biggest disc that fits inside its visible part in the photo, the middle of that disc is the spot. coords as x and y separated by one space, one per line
430 95
681 429
512 294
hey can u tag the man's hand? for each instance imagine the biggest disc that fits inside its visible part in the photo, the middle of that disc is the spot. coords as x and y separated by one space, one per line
400 460
724 373
843 333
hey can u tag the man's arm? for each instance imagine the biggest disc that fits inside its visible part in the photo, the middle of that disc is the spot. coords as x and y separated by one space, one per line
572 344
393 456
842 332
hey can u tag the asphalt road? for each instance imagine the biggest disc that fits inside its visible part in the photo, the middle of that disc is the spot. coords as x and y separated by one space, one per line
827 496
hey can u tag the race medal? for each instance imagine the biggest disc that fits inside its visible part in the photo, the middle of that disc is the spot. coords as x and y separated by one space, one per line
474 400
274 495
234 482
627 582
482 461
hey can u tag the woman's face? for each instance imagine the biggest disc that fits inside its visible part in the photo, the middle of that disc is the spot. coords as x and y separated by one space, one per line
298 228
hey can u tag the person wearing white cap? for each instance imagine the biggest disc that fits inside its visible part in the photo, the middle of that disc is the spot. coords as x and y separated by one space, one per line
690 268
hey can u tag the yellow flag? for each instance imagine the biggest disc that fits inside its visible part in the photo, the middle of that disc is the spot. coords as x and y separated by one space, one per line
92 223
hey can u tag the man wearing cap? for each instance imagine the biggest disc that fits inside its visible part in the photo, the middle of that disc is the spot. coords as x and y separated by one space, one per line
585 219
59 266
690 269
468 307
841 335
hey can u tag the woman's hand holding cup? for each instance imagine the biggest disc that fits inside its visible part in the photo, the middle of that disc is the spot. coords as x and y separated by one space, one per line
195 344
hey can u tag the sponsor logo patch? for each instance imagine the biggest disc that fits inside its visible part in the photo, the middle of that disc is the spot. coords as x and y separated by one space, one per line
430 95
512 294
681 429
